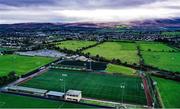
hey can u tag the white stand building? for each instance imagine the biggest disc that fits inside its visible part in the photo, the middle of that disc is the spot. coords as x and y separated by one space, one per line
73 95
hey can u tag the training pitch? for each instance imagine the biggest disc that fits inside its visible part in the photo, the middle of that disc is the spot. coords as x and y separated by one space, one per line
93 85
169 92
21 64
12 101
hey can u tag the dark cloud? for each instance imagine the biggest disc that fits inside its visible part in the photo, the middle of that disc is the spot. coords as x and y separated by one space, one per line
78 4
14 11
22 3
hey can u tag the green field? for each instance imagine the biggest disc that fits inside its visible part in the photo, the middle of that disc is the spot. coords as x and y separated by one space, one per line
74 44
21 64
124 51
163 60
169 92
15 101
92 85
170 34
111 68
5 49
155 46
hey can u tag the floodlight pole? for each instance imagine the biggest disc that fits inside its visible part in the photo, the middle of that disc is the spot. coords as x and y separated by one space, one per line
90 65
154 97
64 75
122 87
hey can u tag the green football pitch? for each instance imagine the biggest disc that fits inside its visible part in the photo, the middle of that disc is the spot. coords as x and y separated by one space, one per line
21 64
74 44
16 101
125 51
93 85
169 91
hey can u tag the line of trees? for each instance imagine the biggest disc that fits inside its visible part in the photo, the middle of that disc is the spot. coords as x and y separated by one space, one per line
12 76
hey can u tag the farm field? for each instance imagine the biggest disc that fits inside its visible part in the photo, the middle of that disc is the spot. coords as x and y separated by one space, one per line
124 51
111 68
21 64
163 60
15 101
74 44
169 92
155 46
92 85
170 34
4 49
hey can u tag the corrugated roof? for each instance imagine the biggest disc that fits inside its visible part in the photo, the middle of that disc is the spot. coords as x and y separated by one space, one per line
27 89
54 93
73 92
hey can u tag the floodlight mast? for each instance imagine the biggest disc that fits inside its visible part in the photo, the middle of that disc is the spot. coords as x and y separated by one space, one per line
63 80
90 65
122 86
154 97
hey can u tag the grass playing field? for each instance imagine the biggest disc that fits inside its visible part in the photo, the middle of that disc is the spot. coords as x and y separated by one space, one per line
154 46
93 85
169 91
163 60
111 68
74 44
15 101
21 64
124 51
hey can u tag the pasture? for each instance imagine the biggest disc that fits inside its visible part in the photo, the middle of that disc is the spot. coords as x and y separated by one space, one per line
155 46
169 91
163 60
21 64
16 101
5 49
74 44
111 68
126 52
93 85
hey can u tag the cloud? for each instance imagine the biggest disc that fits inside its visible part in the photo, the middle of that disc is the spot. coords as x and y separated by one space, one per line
17 11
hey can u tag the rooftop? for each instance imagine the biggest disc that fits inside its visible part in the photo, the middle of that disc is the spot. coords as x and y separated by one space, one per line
27 89
54 93
73 92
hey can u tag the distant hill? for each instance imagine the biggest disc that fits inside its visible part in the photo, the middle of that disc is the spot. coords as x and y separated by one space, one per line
161 24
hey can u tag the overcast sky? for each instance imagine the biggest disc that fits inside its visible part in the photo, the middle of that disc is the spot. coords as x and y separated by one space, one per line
19 11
